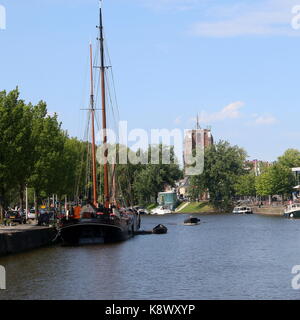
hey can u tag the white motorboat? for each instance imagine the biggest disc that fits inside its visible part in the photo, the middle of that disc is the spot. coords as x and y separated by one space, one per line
161 210
242 210
292 211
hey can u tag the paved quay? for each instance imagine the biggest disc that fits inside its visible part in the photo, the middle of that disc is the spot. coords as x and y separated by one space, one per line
20 228
269 210
15 239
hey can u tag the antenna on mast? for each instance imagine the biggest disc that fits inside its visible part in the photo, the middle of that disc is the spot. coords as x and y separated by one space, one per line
198 123
100 4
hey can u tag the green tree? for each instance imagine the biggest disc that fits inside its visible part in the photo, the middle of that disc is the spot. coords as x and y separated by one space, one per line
7 103
197 187
153 177
71 168
222 167
245 185
276 180
16 158
48 149
290 159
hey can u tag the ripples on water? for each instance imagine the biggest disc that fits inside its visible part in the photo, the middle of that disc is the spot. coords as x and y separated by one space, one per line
225 257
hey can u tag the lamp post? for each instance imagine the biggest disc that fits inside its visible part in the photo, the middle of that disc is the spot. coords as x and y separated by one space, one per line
26 202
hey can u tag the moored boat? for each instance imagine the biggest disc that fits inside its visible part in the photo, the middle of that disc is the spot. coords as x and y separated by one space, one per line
242 210
95 222
292 210
160 229
191 221
161 210
97 226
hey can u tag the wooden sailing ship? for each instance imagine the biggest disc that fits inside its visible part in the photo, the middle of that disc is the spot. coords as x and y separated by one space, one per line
95 222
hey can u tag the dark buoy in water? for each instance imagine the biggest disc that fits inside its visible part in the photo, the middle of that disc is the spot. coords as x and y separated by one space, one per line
191 221
160 229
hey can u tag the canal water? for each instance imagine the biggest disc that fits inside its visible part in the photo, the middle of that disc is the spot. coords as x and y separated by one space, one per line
225 257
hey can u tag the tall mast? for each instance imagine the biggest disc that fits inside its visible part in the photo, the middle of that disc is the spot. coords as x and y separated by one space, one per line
104 126
92 109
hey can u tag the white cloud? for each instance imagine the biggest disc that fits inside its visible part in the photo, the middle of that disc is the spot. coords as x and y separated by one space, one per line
219 18
231 111
269 17
265 120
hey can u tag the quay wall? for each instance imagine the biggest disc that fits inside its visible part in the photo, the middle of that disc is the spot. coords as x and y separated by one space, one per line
269 210
15 241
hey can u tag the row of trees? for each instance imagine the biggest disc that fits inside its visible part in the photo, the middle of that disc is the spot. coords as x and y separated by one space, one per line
275 179
36 153
228 175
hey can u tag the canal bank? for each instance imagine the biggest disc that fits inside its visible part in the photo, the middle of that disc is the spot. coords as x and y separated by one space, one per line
205 207
23 238
195 207
269 210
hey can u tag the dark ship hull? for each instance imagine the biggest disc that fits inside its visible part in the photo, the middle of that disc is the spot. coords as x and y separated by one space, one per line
98 230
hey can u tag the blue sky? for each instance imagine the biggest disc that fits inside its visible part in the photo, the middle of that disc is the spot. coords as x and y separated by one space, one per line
235 63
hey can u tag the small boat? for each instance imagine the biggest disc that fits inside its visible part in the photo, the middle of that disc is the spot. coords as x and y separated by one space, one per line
160 229
161 210
292 211
191 221
242 210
